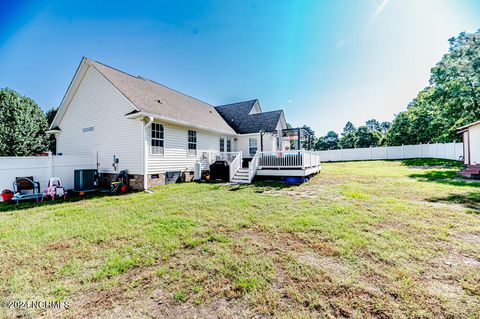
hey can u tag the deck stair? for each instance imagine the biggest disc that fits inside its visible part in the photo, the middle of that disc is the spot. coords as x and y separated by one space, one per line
472 171
241 176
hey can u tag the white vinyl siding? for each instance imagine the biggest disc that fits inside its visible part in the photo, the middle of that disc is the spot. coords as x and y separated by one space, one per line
95 121
474 143
176 156
243 143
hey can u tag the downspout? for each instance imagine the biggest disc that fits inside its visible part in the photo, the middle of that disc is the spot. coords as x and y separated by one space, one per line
145 157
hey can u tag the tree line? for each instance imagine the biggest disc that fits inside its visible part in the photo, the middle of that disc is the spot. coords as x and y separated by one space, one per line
451 100
23 125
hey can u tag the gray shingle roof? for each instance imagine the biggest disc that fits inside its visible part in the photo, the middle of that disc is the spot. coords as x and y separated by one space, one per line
166 103
238 116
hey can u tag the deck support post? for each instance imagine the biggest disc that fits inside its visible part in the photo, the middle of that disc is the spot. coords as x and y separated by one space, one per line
261 140
299 142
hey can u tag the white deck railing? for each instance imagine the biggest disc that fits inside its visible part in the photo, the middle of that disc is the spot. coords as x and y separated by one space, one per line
288 159
222 156
311 159
235 164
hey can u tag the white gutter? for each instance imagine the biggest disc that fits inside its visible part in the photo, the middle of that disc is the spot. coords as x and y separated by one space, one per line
53 131
145 157
181 123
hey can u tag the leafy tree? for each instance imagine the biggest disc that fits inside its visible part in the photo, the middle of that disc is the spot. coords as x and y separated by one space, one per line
451 100
327 142
348 140
50 115
373 125
384 127
348 128
320 144
22 125
366 137
307 137
396 135
331 140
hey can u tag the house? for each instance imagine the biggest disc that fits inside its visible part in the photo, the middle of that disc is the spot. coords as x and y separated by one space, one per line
251 124
471 148
134 123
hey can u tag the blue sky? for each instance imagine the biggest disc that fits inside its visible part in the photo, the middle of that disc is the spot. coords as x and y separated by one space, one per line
323 62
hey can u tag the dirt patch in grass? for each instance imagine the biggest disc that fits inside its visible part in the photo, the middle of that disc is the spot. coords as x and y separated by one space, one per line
329 265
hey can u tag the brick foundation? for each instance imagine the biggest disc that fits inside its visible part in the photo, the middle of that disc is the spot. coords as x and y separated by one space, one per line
154 180
136 180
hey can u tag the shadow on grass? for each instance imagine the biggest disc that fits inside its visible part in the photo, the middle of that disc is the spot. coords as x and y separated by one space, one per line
469 200
428 163
261 186
11 206
445 177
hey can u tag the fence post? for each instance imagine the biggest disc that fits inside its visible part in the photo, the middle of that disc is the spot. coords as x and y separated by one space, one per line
50 164
341 153
371 155
403 152
386 152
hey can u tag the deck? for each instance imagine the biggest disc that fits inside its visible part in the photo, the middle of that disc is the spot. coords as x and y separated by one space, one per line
279 164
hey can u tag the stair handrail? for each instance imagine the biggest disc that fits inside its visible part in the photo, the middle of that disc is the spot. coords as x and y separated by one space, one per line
252 167
235 165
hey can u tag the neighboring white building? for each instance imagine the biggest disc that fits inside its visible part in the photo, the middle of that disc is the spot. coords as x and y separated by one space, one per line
471 143
134 123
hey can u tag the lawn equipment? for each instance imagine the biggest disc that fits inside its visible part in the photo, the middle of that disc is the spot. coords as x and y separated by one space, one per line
121 183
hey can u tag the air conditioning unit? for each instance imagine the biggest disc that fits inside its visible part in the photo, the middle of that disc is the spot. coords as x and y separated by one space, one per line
85 179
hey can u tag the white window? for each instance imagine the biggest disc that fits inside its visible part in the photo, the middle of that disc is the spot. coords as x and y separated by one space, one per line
157 139
229 144
252 146
192 142
222 144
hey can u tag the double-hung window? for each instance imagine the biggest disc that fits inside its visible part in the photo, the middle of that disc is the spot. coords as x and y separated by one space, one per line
192 142
229 144
157 139
252 146
222 144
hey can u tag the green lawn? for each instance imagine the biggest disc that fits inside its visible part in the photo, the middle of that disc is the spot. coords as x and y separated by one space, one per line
383 239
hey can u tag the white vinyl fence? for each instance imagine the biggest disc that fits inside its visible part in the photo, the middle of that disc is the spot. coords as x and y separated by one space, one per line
453 151
42 168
